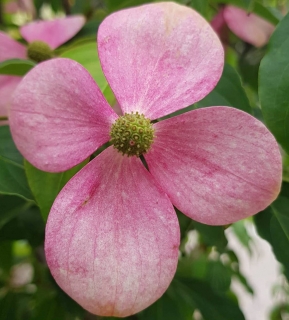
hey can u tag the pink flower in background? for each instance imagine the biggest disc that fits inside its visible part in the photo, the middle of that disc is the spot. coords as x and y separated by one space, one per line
26 6
54 33
247 26
112 235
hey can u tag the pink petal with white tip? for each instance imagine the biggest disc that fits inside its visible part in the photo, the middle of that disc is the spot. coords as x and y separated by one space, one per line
11 49
7 86
248 26
58 116
159 58
218 165
53 32
112 237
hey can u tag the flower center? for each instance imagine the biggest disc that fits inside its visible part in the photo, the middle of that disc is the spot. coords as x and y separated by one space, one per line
39 51
132 134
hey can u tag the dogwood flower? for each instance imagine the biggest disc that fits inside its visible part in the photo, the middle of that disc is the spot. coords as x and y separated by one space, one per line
112 235
247 26
42 37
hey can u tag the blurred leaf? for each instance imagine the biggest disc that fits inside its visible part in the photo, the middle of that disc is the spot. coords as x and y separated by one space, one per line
170 306
242 234
27 225
228 92
45 186
200 5
113 5
274 84
12 176
11 206
6 257
16 67
200 295
273 225
212 235
249 65
87 56
219 276
191 267
8 307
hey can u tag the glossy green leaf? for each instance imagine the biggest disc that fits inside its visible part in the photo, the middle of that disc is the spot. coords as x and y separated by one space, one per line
228 92
16 67
12 176
274 84
273 225
86 55
212 305
45 186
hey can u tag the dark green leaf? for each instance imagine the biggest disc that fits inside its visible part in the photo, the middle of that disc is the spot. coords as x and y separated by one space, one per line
12 176
212 235
16 67
170 306
228 92
273 225
215 306
274 84
10 207
45 186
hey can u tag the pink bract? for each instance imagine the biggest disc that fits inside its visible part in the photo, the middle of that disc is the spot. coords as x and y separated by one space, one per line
247 26
10 49
54 32
112 235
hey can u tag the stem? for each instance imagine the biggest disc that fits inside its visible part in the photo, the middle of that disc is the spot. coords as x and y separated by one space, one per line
3 118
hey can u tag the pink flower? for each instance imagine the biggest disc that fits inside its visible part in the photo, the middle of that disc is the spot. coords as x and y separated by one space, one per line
247 26
53 33
112 235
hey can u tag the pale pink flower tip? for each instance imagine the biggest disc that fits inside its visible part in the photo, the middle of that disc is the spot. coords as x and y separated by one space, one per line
53 32
112 235
248 26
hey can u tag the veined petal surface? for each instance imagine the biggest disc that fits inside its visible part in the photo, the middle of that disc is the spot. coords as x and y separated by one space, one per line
58 116
112 237
159 58
53 32
248 26
11 49
218 164
7 86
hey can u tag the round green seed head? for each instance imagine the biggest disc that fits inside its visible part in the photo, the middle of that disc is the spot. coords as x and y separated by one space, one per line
39 51
132 134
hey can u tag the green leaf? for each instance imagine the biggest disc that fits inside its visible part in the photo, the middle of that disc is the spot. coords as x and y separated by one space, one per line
12 176
27 225
242 234
273 225
201 6
228 92
45 186
274 84
87 56
212 235
170 307
16 67
11 206
198 294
